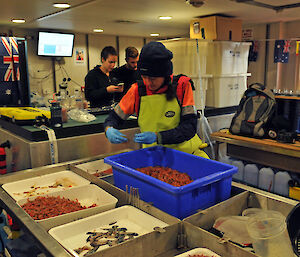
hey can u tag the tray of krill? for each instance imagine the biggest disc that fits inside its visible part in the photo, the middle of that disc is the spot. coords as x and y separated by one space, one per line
98 232
44 184
199 252
64 206
59 197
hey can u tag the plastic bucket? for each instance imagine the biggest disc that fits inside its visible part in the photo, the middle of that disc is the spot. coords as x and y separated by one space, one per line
269 233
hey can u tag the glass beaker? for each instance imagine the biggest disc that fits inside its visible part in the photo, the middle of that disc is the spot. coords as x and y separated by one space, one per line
269 233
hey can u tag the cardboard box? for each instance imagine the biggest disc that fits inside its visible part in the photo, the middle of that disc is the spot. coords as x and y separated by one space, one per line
216 28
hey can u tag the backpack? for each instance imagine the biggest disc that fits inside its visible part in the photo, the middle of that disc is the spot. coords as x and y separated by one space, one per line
255 112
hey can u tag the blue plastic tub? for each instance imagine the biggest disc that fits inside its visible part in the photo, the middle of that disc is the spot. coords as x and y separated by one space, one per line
212 179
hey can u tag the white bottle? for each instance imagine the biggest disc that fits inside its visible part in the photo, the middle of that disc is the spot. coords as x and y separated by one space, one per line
226 159
281 183
266 179
240 174
78 99
251 174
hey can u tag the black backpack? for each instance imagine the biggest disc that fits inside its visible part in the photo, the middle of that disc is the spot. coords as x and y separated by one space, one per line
255 112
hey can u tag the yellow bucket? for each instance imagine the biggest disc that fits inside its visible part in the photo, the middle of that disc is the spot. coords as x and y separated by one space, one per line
294 193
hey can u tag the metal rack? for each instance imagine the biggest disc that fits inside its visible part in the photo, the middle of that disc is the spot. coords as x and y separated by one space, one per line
176 238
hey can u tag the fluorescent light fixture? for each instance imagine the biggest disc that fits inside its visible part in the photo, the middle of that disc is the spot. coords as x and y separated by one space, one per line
62 5
154 34
98 30
18 20
165 17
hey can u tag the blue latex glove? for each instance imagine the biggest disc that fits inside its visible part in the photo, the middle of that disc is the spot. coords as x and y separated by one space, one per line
115 136
145 138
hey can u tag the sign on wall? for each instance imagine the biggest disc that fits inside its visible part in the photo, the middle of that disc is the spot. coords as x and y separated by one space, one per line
79 56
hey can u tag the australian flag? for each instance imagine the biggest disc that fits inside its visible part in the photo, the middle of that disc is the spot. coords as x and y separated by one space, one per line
282 51
9 71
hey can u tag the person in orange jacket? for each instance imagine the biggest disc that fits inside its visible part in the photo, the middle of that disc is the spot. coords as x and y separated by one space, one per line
163 103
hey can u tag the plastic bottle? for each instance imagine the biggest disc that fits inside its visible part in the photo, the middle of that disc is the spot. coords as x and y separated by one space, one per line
78 99
251 174
281 183
240 174
56 116
226 159
266 179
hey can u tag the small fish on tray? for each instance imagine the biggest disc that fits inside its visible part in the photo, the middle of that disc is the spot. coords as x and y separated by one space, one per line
110 236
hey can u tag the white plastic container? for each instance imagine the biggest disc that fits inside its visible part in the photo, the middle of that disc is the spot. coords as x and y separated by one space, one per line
240 174
251 211
204 251
86 196
251 174
44 184
266 179
223 91
269 233
73 235
185 58
225 57
281 183
187 61
97 168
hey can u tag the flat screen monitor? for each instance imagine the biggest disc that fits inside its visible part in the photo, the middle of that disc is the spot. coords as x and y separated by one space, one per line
55 44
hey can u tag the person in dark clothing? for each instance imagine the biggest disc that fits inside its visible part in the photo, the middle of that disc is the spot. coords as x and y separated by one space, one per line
127 73
99 87
164 106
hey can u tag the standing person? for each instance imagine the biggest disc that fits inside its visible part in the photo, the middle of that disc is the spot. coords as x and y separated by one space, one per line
127 73
164 104
99 87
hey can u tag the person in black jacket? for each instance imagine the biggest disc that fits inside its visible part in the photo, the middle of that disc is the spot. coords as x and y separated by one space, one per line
99 87
127 73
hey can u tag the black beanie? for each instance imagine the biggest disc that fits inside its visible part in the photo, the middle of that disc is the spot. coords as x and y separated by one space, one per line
155 60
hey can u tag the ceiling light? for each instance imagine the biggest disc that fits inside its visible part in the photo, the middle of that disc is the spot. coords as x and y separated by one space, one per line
18 20
165 17
154 34
98 30
62 5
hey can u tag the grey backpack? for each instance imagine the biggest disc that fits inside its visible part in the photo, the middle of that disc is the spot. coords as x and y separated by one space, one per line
255 112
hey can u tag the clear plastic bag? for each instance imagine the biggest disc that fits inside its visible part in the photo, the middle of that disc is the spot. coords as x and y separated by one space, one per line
81 115
234 229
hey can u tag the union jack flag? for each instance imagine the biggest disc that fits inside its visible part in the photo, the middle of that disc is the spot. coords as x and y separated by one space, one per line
9 71
9 59
282 51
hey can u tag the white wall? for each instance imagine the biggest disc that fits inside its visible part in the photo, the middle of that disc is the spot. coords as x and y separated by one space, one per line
69 68
279 75
124 42
41 72
257 68
96 44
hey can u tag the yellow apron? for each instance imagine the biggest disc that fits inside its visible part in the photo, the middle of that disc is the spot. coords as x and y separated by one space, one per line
157 114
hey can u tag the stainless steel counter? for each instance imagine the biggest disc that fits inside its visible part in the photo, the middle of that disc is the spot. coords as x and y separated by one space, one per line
178 237
45 242
25 154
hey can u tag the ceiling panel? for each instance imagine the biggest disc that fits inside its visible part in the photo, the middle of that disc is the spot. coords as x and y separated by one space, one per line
85 15
278 2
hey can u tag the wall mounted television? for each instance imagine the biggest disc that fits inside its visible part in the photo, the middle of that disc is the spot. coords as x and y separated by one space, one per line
55 44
